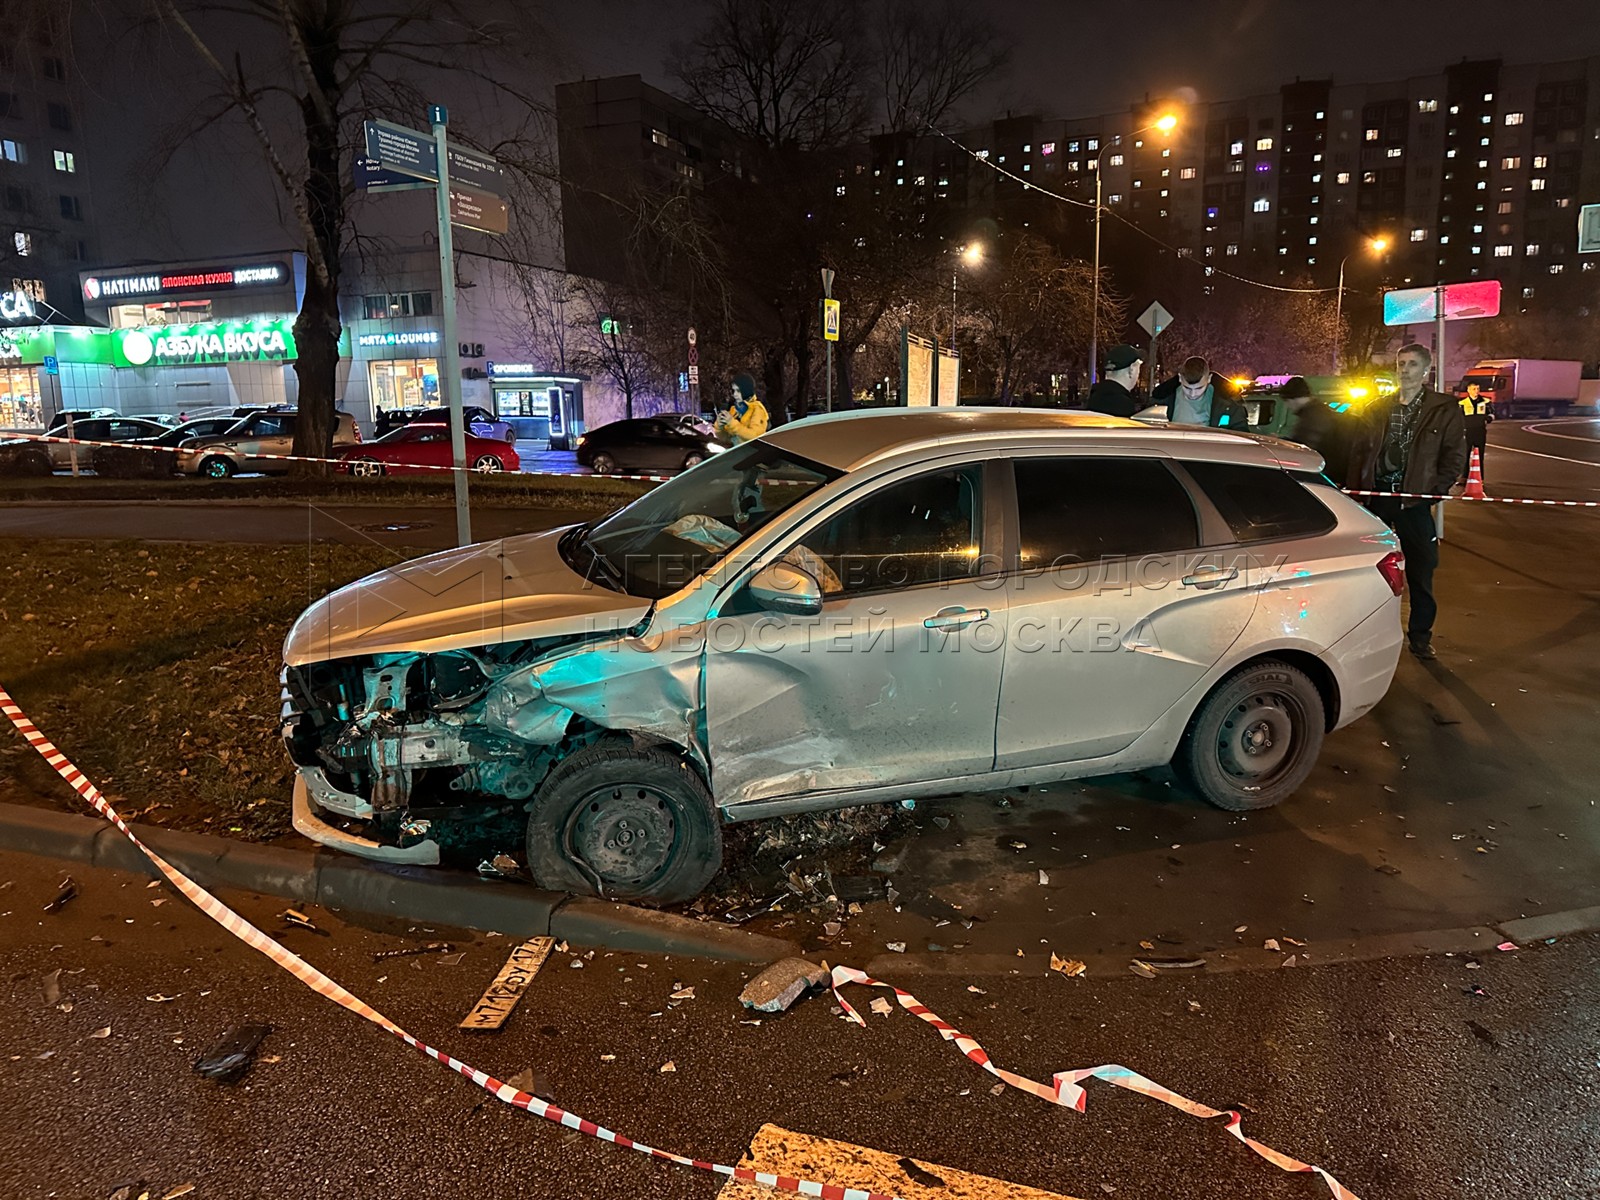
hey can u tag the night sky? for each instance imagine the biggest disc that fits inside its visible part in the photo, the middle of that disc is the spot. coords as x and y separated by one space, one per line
1071 57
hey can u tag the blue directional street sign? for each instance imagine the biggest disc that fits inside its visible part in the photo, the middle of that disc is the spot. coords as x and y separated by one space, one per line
371 176
52 365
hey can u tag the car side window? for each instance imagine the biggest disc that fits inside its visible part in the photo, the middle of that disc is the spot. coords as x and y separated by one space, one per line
273 427
1261 503
432 437
927 529
1085 509
125 431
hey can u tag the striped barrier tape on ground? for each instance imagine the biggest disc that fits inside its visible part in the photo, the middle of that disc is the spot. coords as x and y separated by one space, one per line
1064 1089
324 986
346 463
1477 499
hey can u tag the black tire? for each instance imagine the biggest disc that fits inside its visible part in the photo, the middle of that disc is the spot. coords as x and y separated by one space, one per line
603 464
366 468
216 467
488 464
624 822
693 459
1255 738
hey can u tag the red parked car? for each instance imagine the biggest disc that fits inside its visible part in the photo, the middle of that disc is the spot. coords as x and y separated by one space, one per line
413 449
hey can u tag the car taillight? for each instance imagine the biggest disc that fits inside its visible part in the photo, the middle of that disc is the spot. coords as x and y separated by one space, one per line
1393 569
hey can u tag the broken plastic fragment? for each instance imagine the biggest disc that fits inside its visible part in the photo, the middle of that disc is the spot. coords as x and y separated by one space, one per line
103 1032
295 917
1142 969
230 1057
1044 878
1271 944
65 891
897 947
668 1068
1507 946
682 994
882 1007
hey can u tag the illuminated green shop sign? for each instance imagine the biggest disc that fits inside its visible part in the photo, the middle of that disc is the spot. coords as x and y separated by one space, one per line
213 342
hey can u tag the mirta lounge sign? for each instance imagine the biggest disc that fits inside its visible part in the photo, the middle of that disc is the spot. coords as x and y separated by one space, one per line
194 345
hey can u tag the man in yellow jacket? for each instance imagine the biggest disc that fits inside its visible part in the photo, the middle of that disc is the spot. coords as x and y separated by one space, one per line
746 418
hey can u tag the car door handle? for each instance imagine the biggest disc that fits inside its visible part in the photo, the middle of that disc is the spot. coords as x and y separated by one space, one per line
1210 577
955 618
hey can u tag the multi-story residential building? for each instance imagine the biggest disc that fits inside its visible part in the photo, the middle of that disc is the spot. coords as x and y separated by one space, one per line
1477 171
46 214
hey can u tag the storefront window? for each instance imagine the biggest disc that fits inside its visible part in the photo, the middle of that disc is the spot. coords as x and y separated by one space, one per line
521 403
170 312
404 383
20 406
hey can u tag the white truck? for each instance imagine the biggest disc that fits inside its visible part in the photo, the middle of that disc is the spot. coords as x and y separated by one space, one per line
1526 387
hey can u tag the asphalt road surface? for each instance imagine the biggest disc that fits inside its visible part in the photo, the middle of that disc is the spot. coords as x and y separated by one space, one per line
1421 1077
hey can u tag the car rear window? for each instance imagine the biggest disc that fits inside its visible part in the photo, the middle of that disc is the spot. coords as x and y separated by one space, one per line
1084 509
1261 503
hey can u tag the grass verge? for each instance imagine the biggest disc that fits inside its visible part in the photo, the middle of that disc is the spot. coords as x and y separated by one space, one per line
155 668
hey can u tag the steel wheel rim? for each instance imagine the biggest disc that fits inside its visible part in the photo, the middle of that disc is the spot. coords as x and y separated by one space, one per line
487 465
604 464
626 834
365 468
217 469
1257 741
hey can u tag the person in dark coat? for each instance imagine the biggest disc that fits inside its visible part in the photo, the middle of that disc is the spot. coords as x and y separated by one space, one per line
1113 395
1316 425
1196 395
1414 444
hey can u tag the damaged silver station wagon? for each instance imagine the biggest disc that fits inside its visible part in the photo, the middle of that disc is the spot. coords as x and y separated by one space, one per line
853 609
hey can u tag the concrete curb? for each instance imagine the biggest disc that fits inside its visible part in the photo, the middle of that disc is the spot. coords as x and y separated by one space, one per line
338 881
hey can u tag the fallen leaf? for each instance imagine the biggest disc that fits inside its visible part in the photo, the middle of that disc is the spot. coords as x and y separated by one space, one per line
1142 969
1240 928
997 1089
1069 967
976 990
668 1068
52 986
1271 944
183 1189
682 994
1143 945
103 1032
608 1058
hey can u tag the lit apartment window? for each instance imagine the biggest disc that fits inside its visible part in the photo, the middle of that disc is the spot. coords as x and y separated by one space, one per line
1233 248
66 162
1540 162
660 138
1236 166
1002 158
1372 135
1047 148
1477 250
1511 163
1454 109
1263 167
839 191
24 243
1488 96
900 162
1477 229
1316 179
1564 202
1536 185
1316 158
1262 205
1444 239
1419 235
1210 250
1450 153
1557 268
1116 197
1342 177
1164 193
1072 164
1236 148
1369 177
1314 220
1531 249
1092 144
1072 147
1311 241
1527 293
1027 147
1116 160
983 154
1166 152
1483 164
1394 151
1483 186
921 181
13 151
1483 141
1486 119
1165 171
1283 250
1027 166
1186 173
1138 183
1504 207
1427 106
1263 143
1321 115
1513 118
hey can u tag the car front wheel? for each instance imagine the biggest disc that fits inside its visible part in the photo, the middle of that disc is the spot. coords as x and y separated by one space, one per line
693 459
1255 738
625 822
366 468
487 464
603 464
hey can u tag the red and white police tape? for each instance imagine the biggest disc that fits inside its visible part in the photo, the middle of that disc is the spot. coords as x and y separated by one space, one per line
346 462
338 462
1063 1090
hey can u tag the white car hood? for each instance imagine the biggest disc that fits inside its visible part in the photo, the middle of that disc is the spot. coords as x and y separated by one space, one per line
508 590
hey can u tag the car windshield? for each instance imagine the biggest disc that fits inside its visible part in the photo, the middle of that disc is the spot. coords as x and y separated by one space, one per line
683 528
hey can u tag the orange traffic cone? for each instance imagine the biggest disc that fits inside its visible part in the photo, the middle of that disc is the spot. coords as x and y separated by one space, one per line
1474 488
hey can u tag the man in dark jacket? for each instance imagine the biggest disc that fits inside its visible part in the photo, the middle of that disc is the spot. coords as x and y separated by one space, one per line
1198 396
1314 424
1413 444
1113 395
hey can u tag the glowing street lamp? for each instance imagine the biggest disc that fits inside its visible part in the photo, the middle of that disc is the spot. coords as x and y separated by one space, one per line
1165 123
972 255
1376 245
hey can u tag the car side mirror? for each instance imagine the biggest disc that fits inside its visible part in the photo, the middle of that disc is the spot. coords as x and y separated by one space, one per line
780 587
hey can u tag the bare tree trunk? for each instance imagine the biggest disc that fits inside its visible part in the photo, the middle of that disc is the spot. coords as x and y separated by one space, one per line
772 382
843 388
802 376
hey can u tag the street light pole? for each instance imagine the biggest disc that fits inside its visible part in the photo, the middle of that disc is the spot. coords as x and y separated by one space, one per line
1094 316
1338 316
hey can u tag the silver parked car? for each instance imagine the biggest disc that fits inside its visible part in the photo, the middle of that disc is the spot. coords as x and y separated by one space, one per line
852 609
257 443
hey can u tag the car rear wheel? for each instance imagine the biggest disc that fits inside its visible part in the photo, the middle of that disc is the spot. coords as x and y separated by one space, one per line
603 464
693 459
216 467
367 468
1255 738
626 822
487 464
